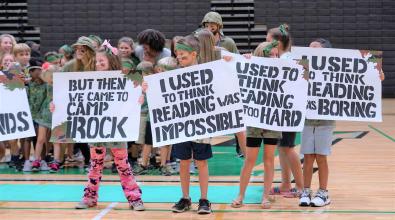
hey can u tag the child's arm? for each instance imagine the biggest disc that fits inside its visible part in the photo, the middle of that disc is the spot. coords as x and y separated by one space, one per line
382 76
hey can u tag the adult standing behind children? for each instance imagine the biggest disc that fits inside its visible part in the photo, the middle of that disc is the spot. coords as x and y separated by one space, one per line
152 46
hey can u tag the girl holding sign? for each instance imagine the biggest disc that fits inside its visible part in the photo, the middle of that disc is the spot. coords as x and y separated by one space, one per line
255 137
107 59
289 159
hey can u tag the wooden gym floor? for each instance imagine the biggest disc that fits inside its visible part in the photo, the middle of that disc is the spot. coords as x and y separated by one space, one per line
361 185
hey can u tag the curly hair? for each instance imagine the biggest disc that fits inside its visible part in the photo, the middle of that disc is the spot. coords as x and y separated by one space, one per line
153 38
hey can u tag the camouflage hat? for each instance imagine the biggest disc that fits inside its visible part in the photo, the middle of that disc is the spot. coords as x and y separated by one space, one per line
96 38
84 41
213 17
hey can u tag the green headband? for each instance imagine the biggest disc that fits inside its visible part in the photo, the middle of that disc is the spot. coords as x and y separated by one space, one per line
268 48
127 65
52 58
283 30
184 47
67 49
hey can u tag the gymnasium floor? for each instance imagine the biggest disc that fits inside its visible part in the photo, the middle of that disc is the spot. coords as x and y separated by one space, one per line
361 184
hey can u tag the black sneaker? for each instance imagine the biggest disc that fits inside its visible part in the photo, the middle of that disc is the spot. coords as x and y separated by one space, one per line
204 207
182 205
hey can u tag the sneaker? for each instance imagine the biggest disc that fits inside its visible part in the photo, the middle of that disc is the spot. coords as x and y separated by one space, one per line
192 168
182 205
13 161
140 170
44 166
305 197
170 169
137 205
36 165
164 171
204 207
54 167
83 205
27 166
320 199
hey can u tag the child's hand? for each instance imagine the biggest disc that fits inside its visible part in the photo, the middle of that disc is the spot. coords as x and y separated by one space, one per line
141 99
144 86
227 58
135 84
247 55
52 107
382 76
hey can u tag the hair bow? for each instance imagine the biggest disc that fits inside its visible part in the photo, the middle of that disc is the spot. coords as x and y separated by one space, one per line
109 49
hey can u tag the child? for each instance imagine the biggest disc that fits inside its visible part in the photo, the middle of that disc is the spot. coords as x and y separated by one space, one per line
187 50
317 138
7 43
289 159
21 54
36 91
6 60
146 68
107 59
53 58
164 64
67 54
126 49
255 136
44 122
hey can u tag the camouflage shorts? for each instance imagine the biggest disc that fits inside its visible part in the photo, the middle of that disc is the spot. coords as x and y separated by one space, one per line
262 133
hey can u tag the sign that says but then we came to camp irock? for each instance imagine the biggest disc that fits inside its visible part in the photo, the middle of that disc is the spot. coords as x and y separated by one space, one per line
344 84
100 106
195 102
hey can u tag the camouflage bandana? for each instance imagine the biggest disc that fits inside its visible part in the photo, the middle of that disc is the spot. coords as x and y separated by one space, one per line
268 48
283 30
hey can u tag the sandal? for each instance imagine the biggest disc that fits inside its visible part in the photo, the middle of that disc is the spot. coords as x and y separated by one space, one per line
236 204
266 204
292 193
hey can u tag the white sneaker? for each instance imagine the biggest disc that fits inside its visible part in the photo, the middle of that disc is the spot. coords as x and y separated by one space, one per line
305 197
44 166
27 166
192 169
320 199
170 169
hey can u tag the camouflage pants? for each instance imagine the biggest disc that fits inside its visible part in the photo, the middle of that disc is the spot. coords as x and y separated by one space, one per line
130 188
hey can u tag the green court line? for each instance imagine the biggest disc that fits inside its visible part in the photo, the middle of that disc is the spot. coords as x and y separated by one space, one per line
382 133
233 211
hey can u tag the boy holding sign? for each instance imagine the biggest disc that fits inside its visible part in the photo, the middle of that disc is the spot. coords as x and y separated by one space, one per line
187 50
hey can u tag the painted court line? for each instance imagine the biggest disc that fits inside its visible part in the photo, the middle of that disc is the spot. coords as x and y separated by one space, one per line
382 133
105 211
230 211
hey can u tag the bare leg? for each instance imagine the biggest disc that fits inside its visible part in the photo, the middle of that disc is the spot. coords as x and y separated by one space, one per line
293 161
269 169
163 155
203 177
41 140
242 139
323 170
145 154
245 174
308 169
285 170
185 177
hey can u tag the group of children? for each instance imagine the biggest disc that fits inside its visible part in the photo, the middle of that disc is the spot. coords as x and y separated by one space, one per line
151 56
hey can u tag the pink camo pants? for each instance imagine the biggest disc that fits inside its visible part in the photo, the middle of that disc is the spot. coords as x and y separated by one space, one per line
130 188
